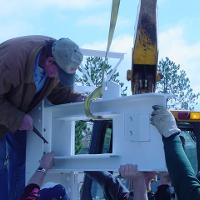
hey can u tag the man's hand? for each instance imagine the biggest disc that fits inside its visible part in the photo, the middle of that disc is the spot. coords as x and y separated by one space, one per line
27 123
46 161
164 121
138 181
131 171
79 97
128 171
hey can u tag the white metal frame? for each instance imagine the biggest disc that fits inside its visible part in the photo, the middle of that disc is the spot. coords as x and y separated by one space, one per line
134 139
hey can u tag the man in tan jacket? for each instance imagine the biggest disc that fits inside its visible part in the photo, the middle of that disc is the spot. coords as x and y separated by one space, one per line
30 69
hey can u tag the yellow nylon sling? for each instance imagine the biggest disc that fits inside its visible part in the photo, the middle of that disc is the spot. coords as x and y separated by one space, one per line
97 93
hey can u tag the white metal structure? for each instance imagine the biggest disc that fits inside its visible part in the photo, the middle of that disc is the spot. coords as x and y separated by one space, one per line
134 139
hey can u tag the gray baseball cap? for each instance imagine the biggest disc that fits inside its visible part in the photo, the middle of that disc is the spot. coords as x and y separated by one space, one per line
66 53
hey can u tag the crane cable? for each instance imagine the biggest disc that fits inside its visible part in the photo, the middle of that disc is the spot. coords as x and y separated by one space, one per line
97 93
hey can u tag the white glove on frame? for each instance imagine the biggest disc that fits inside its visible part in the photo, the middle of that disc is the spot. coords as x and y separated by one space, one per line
164 121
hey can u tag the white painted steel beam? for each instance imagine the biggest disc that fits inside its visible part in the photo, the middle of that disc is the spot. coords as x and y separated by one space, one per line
134 139
99 53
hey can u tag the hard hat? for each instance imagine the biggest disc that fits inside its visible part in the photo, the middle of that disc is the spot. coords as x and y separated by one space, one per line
66 53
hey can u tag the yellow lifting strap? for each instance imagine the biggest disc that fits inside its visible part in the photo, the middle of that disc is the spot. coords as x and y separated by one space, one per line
93 95
113 21
97 93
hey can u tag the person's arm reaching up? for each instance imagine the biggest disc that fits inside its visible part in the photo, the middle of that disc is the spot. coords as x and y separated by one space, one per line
181 172
46 163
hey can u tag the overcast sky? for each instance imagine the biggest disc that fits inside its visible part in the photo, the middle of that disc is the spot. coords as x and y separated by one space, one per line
87 23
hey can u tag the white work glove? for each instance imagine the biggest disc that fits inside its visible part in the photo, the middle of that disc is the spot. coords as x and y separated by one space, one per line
164 121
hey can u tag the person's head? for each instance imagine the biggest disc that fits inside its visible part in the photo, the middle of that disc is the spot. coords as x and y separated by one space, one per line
56 192
62 53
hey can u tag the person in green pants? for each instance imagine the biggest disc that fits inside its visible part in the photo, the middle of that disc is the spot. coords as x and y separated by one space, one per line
186 185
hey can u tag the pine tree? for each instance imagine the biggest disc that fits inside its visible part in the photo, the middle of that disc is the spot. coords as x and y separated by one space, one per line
176 83
94 68
80 127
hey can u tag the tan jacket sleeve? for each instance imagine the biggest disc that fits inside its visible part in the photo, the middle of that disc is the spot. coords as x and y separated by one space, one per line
10 116
62 94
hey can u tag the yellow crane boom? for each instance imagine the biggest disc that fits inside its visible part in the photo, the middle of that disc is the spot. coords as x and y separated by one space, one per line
145 53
